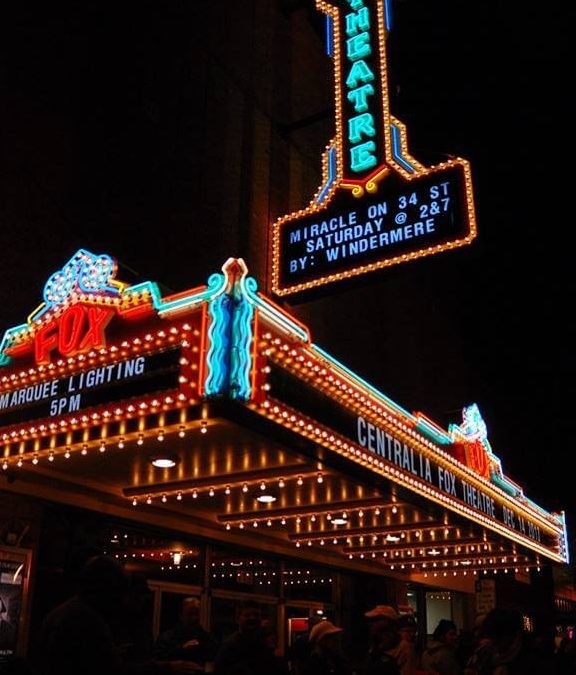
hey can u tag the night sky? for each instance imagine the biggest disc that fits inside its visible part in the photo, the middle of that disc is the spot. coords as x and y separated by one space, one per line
98 126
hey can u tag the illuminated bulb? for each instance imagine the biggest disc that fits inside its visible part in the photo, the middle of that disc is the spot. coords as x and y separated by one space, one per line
121 442
262 486
245 488
35 459
194 494
269 523
102 446
164 498
211 492
19 462
181 431
134 502
203 427
177 558
394 509
313 518
161 435
241 526
361 513
84 450
4 465
255 523
283 521
67 453
320 478
377 512
298 520
140 440
328 516
149 500
300 480
228 526
179 496
227 490
281 483
51 457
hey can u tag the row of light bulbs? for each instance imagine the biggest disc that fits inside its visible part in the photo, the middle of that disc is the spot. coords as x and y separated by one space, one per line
103 445
227 490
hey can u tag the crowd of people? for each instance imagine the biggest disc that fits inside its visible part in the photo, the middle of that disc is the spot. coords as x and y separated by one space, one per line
89 634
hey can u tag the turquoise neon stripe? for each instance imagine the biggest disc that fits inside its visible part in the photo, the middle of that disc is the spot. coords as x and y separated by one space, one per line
249 286
377 393
241 356
397 149
218 354
216 286
331 174
7 341
503 484
434 434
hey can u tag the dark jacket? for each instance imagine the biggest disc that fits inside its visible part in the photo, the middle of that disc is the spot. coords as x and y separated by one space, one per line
380 663
75 638
246 654
200 647
441 658
318 664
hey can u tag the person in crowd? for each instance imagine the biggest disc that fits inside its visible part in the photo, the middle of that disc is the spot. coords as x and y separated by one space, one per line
509 650
465 646
565 656
405 652
76 637
271 639
440 655
481 659
132 627
301 648
187 640
247 651
384 639
326 655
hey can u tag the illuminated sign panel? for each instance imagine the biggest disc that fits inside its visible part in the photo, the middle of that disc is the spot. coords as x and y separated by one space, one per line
397 453
121 380
377 206
95 341
358 233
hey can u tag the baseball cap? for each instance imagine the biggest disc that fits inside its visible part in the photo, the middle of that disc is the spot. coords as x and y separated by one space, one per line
321 629
382 612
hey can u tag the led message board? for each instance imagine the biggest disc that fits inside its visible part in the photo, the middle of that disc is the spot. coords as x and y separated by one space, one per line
377 206
115 381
